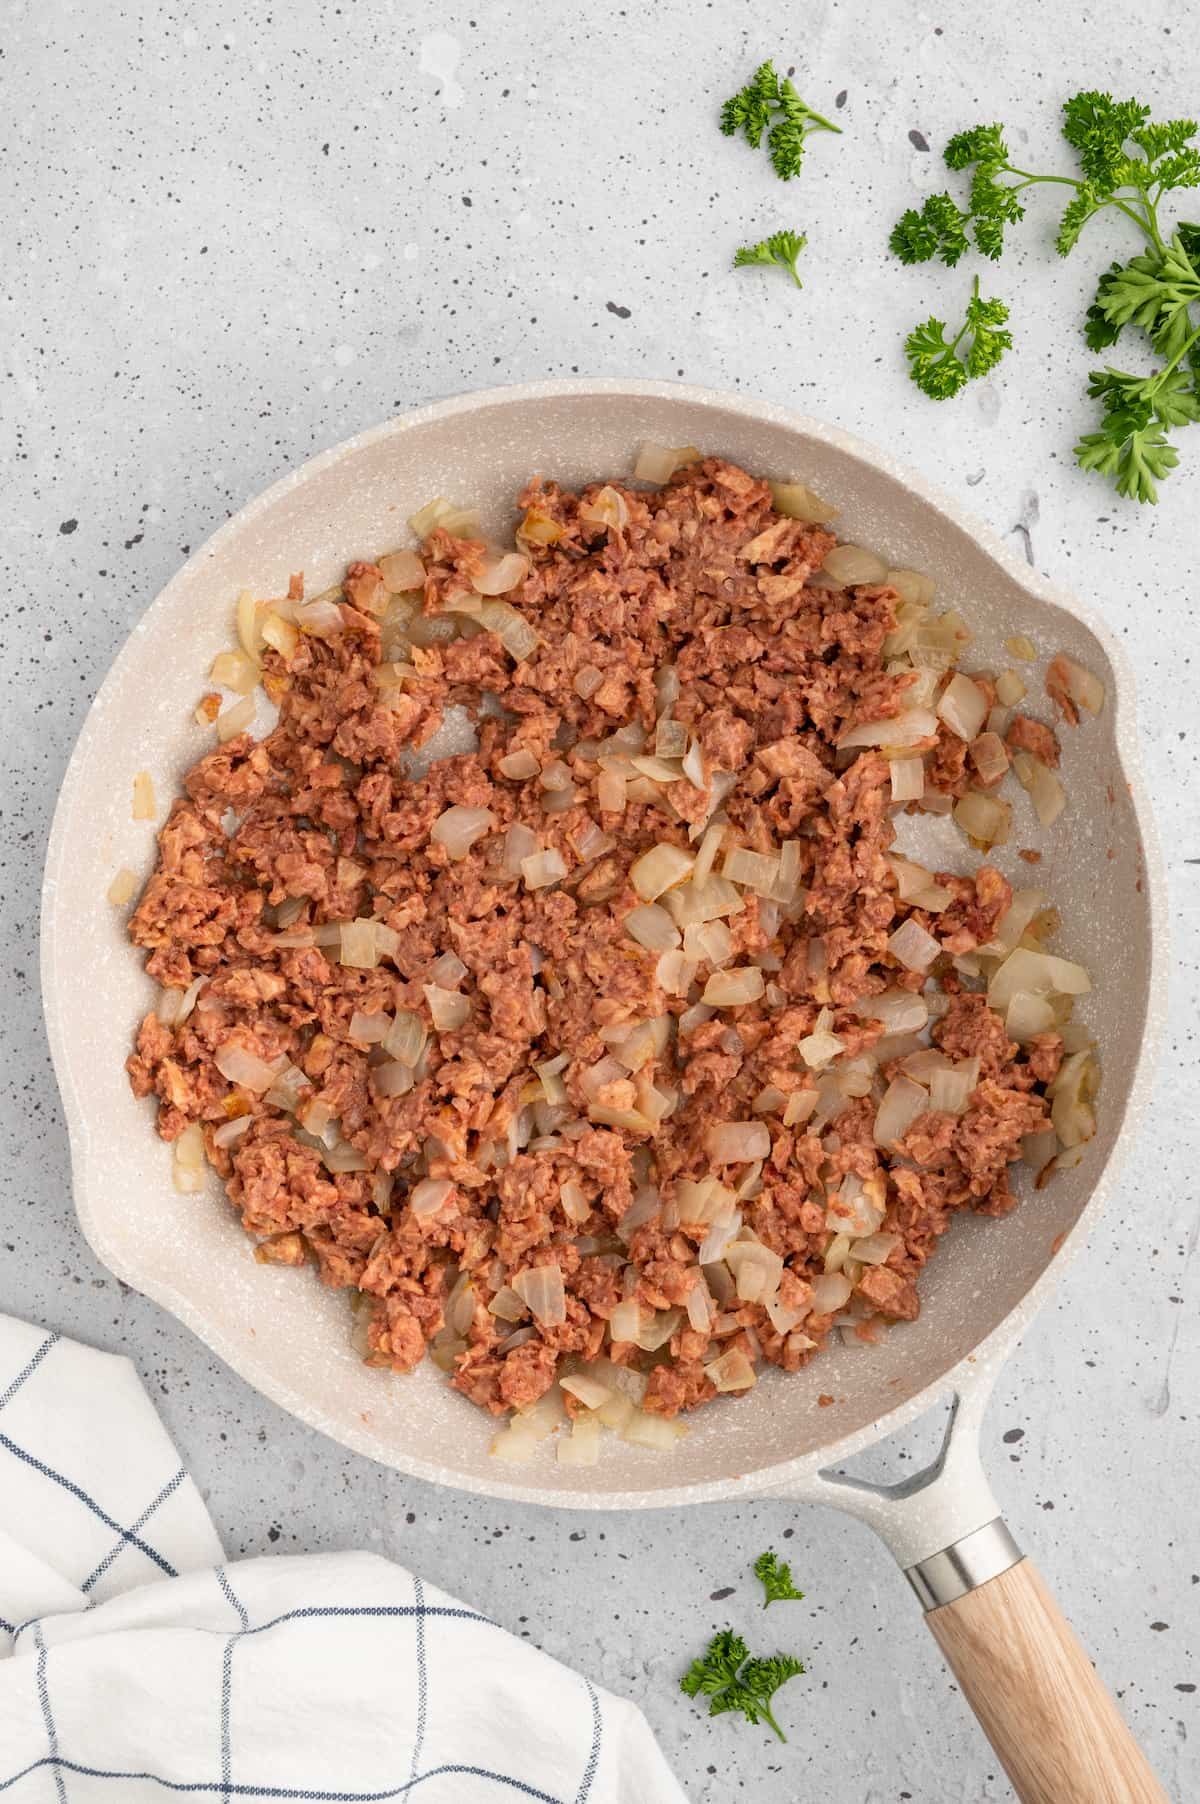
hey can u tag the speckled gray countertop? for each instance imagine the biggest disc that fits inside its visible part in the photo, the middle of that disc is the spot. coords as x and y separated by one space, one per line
236 235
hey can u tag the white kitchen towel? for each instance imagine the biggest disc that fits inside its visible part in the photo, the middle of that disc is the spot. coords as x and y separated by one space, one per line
135 1665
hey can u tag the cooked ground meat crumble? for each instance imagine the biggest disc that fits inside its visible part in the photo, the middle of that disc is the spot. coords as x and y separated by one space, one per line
518 1131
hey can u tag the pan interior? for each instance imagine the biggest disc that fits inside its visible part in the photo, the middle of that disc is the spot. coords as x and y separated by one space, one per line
283 1331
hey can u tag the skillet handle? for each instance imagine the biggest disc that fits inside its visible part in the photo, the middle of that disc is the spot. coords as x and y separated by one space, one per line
1041 1703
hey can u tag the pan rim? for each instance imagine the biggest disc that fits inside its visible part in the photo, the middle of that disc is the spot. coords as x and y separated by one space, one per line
974 1367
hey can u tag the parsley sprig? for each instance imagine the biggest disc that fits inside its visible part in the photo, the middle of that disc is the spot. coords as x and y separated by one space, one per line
934 362
781 247
730 1680
1127 163
776 1577
768 105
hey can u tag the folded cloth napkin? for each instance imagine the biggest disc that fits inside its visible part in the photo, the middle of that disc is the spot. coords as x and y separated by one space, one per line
135 1664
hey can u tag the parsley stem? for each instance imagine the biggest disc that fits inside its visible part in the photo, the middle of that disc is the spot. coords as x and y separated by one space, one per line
1148 223
962 331
767 1717
1180 354
1062 180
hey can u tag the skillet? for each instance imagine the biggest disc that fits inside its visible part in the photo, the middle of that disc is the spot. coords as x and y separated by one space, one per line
1049 1717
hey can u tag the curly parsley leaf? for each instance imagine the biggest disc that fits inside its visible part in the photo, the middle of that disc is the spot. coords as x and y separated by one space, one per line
776 1578
732 1681
750 110
771 106
1131 446
934 361
718 1667
1099 330
781 248
935 231
982 144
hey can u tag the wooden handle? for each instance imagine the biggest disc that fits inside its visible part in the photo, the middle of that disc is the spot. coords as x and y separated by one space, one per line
1044 1709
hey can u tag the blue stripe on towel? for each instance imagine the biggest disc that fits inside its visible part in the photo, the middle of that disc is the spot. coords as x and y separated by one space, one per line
68 1484
7 1396
168 1490
289 1791
43 1690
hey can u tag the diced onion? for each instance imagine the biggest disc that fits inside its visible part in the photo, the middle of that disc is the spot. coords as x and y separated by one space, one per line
1028 1014
949 1090
144 805
754 870
590 1392
674 973
1040 972
906 728
1010 689
983 819
756 1269
541 869
989 755
121 889
830 1292
912 586
234 670
371 1028
358 945
575 1205
1082 685
652 927
393 1078
450 1009
458 828
851 565
731 1372
405 1039
820 1046
903 1101
1047 794
231 1131
709 941
857 1208
245 1068
541 1287
900 1011
734 1142
907 778
402 571
658 870
246 615
427 1197
875 1249
511 628
235 720
611 786
1021 646
500 575
734 988
658 1432
912 946
795 502
507 1306
695 902
320 618
658 463
520 843
607 507
799 1106
963 706
281 635
521 763
626 1320
1072 1090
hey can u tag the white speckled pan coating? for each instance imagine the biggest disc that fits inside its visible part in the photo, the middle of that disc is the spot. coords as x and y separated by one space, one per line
281 1330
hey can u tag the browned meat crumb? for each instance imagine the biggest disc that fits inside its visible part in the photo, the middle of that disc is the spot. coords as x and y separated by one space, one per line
274 843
